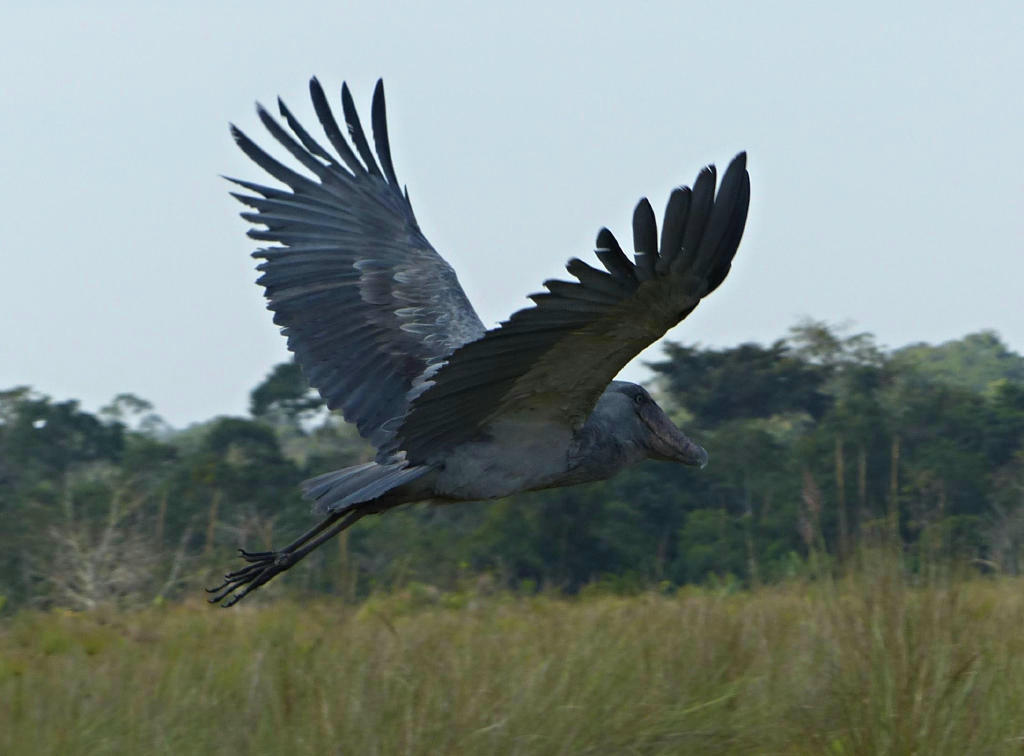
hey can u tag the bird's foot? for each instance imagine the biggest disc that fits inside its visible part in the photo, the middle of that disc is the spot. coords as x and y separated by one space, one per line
263 566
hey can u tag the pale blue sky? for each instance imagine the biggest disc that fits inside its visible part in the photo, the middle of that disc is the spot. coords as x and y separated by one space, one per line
885 157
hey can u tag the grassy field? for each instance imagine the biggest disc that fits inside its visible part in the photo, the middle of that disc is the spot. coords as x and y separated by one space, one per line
867 665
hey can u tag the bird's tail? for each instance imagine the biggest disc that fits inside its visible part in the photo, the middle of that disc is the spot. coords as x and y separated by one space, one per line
342 489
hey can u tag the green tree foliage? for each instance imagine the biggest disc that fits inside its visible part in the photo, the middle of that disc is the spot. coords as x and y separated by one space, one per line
974 362
818 441
284 396
742 382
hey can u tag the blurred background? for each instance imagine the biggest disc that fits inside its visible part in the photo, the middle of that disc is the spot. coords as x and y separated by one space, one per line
859 370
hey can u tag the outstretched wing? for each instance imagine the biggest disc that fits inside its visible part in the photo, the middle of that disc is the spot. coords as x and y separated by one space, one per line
367 304
552 361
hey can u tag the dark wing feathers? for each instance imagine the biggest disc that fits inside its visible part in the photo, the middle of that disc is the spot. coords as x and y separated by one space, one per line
701 200
552 361
368 307
672 230
330 126
378 117
315 166
612 257
281 172
355 131
645 231
645 241
307 141
730 241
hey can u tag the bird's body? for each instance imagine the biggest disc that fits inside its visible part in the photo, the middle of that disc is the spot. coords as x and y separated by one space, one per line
515 455
382 328
487 469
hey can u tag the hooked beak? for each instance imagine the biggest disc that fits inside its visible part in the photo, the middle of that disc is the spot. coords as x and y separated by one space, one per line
669 443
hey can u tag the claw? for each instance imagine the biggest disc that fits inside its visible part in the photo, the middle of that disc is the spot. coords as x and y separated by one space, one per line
246 570
256 556
263 565
220 596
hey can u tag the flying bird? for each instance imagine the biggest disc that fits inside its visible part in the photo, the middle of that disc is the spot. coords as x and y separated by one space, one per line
383 330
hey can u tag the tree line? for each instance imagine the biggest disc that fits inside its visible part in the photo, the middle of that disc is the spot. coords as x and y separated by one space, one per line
820 443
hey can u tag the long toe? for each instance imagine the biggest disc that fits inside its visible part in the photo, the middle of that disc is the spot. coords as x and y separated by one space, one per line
256 556
240 583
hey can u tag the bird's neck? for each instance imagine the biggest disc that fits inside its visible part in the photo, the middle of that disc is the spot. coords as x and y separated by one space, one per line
597 453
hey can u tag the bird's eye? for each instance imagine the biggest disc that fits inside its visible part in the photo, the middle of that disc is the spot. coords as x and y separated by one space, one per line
639 398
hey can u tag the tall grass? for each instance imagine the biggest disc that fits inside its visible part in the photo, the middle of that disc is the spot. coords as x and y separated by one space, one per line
865 665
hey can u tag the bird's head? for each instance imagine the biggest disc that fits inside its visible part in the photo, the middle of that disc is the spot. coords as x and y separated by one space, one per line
638 419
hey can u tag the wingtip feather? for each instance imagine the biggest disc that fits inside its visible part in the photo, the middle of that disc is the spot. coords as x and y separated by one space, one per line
645 239
355 131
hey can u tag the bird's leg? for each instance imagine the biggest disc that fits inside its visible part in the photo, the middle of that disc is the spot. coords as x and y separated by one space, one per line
264 565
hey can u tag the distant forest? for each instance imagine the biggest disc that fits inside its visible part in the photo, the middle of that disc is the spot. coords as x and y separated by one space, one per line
819 443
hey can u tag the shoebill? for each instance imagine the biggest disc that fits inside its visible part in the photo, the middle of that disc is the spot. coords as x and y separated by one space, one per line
458 412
